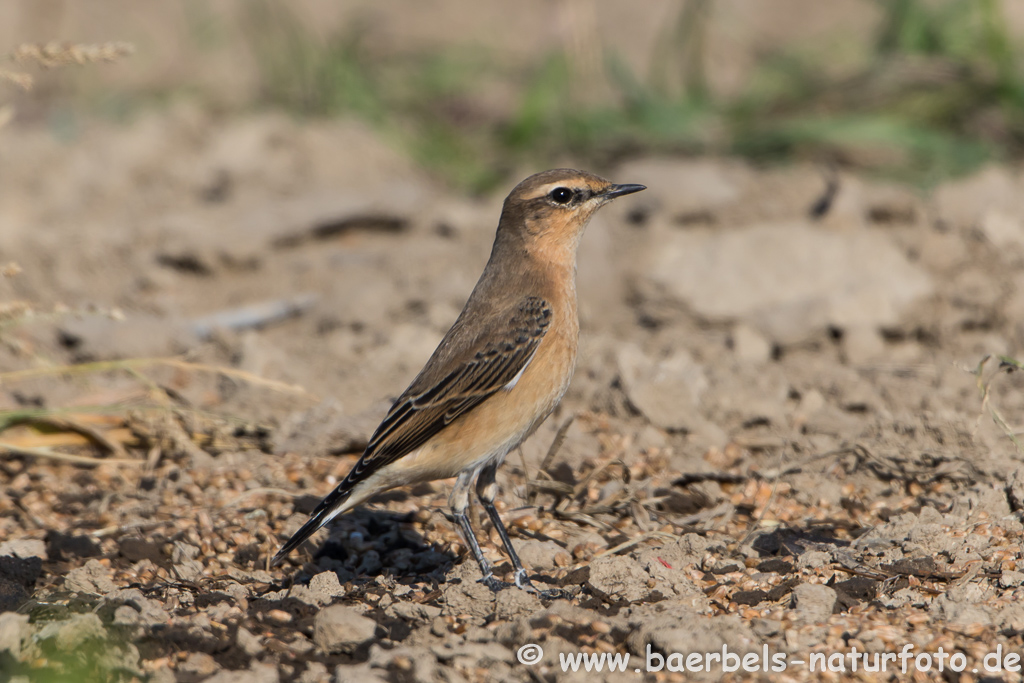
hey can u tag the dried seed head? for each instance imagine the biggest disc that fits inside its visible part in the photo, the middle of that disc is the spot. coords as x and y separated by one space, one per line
18 78
55 54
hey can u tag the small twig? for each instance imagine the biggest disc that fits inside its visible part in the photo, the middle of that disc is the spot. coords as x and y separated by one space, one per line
556 488
556 444
581 487
582 518
153 458
755 523
722 509
634 541
526 472
823 203
147 524
984 387
252 316
719 477
104 366
67 424
260 490
66 457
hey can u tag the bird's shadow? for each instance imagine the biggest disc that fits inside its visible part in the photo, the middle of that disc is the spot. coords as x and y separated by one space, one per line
368 542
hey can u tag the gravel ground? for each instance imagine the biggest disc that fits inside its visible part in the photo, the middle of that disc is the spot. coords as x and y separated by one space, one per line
781 433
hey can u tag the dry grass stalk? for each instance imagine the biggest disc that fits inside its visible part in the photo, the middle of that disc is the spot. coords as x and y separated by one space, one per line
65 457
133 363
56 54
10 310
18 78
1005 364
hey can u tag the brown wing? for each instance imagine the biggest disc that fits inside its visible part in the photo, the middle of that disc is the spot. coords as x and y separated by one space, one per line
429 405
427 408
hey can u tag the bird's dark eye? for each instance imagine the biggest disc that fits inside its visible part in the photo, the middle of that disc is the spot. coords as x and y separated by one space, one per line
562 195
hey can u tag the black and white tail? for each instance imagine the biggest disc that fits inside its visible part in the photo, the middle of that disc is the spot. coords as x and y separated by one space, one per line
329 508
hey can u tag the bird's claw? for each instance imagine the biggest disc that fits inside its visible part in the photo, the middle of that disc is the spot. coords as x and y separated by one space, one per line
495 584
522 582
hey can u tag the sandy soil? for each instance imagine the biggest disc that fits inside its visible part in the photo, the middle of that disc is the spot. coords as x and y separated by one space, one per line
775 437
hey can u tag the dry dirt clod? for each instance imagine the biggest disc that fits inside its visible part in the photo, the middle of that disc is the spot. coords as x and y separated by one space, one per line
342 629
814 603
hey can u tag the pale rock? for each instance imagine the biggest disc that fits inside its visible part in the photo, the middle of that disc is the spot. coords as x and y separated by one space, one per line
685 188
667 390
342 629
789 281
963 202
813 602
535 554
862 344
1011 579
315 672
1002 229
200 664
749 345
72 633
24 548
248 642
92 578
326 586
258 672
618 579
14 630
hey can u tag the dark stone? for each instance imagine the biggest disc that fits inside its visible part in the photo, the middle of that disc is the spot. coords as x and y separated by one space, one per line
776 565
62 547
137 549
21 571
919 566
305 504
859 589
783 589
12 595
576 577
754 597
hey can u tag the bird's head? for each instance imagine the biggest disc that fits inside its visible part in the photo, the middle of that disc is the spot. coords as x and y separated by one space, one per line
551 209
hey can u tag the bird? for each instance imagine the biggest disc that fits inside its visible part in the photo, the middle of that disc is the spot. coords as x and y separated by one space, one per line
496 375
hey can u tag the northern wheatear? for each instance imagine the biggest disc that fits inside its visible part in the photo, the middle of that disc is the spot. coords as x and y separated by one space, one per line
498 372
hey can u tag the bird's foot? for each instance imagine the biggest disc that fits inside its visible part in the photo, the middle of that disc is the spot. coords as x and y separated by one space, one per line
495 584
522 581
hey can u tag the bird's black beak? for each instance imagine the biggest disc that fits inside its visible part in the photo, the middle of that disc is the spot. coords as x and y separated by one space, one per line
614 191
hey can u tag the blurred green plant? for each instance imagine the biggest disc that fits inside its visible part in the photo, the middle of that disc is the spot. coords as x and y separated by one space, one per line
67 643
937 93
308 75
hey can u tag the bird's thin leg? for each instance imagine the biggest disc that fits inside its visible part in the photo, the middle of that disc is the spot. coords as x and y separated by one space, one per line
459 502
487 491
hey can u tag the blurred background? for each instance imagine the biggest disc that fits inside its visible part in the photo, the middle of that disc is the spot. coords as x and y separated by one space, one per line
920 89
